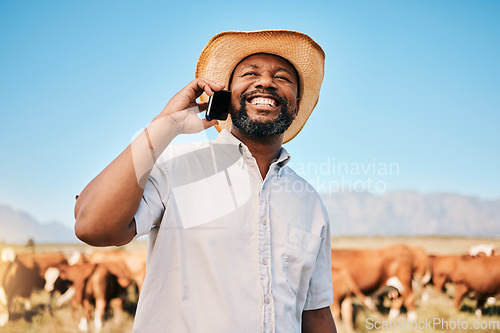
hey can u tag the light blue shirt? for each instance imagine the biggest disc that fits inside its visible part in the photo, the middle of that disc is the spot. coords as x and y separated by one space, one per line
229 251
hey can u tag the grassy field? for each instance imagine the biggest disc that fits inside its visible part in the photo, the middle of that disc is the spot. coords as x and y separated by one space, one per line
433 315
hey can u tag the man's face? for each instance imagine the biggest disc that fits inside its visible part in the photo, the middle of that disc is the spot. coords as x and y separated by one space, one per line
264 99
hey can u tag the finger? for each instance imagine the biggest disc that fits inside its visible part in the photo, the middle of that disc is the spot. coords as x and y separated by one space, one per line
188 95
208 124
207 86
202 106
215 86
200 87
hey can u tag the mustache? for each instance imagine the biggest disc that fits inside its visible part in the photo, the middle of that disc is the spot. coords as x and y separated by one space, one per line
248 95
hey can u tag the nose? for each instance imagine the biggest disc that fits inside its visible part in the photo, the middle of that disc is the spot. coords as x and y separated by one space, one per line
265 81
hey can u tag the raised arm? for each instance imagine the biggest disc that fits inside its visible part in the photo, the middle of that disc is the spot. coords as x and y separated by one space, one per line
105 209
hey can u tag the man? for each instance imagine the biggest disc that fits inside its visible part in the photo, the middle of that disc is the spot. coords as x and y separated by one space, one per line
237 241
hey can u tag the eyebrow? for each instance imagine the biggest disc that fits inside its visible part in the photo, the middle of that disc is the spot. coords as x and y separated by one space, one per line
279 69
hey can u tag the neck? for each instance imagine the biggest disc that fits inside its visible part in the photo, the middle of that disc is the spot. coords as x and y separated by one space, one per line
265 149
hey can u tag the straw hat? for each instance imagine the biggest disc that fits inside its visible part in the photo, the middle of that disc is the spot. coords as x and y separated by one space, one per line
224 52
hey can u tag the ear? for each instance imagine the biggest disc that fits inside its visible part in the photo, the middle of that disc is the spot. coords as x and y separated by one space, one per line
297 104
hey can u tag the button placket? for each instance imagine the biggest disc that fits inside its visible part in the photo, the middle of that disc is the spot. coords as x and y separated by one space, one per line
265 263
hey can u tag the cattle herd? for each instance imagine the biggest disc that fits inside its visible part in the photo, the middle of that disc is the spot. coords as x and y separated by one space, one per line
395 272
93 282
89 282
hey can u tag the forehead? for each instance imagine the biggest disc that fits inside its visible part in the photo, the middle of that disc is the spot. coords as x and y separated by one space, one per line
268 61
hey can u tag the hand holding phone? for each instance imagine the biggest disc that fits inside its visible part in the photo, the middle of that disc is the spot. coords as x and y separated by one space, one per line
218 105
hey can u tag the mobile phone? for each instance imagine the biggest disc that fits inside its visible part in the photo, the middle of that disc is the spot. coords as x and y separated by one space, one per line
218 105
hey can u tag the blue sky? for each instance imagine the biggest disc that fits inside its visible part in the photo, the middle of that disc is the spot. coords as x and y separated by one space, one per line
412 84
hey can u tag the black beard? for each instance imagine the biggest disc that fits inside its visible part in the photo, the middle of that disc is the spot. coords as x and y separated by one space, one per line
257 128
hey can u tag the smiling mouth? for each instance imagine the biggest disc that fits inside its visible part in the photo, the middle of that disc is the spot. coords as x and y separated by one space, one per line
260 101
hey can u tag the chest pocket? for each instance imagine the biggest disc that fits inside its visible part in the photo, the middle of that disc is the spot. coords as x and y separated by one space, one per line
300 257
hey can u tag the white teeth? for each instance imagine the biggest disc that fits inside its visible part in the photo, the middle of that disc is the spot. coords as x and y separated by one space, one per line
263 101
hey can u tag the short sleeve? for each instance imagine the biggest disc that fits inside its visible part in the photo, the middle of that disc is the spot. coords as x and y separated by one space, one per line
320 293
151 208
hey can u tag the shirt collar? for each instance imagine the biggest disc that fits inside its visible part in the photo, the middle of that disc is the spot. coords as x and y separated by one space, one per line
226 137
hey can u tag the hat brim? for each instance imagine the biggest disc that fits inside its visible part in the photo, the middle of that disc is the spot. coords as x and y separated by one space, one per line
226 50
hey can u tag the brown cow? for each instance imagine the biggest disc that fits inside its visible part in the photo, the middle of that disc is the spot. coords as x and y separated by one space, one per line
343 289
19 275
92 282
75 276
16 280
374 269
421 268
135 263
103 288
442 267
479 276
42 260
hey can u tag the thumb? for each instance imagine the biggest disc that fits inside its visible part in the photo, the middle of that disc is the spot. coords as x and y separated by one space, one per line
208 124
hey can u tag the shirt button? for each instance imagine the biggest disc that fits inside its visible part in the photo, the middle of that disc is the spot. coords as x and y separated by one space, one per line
264 222
264 261
267 300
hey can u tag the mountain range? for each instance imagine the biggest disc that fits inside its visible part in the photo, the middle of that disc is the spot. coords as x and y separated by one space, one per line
351 213
17 227
412 213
